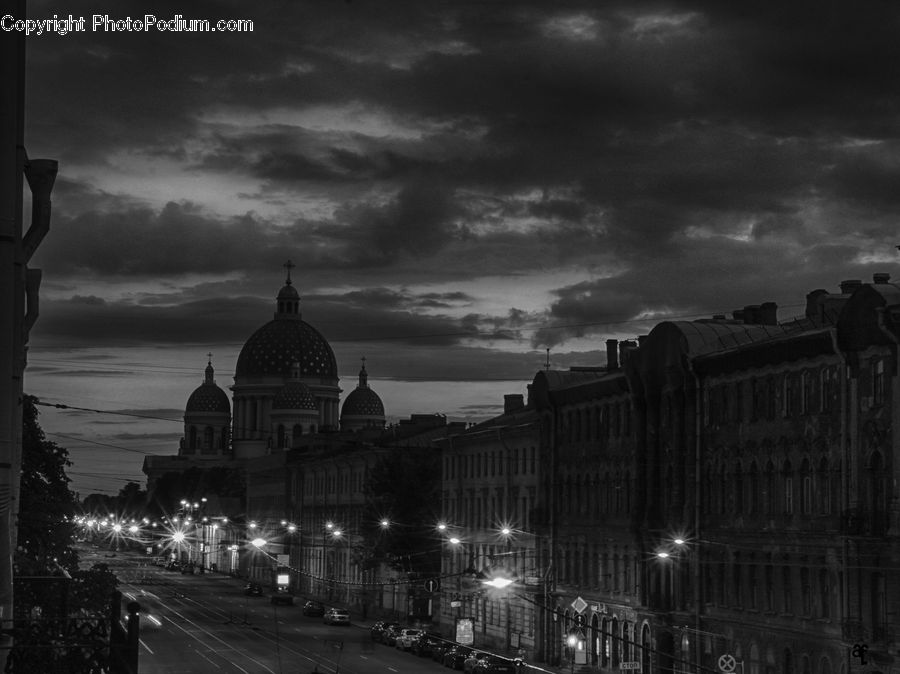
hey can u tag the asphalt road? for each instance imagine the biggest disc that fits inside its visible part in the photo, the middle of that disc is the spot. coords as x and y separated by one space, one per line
205 623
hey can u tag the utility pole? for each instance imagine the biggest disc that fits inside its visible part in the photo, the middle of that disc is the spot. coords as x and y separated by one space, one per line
18 292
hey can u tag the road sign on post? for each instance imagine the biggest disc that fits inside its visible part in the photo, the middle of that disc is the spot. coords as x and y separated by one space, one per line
630 665
727 663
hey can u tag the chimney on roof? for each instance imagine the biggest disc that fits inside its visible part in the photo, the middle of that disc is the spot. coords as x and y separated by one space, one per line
768 313
612 354
814 303
881 277
847 287
625 346
513 402
751 314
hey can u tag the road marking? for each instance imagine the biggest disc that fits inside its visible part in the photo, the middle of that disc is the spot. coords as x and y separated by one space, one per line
146 646
202 655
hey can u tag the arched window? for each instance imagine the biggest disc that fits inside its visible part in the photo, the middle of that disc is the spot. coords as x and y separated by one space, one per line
877 488
787 659
738 477
192 438
605 647
787 482
824 594
223 438
208 438
805 592
771 493
806 497
753 488
296 432
280 436
823 487
647 648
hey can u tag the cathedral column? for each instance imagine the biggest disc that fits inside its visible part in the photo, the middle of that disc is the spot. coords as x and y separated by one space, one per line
259 416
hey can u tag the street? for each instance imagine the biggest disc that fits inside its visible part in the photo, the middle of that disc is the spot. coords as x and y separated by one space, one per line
205 623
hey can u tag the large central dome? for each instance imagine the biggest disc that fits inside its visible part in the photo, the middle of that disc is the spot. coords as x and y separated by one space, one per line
272 350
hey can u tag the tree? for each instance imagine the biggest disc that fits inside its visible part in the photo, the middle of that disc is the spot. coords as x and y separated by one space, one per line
46 505
404 486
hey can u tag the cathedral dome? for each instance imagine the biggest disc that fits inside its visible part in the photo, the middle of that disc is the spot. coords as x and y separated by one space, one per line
294 395
272 349
208 397
286 340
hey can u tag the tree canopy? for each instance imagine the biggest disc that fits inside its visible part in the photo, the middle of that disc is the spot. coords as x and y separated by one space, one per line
46 505
404 487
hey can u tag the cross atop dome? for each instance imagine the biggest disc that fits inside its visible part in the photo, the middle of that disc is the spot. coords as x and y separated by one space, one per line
363 375
288 266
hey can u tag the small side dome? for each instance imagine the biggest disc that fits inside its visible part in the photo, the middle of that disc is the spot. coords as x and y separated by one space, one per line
363 407
363 402
208 397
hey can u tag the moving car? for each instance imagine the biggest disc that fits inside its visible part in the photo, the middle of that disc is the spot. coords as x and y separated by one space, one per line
282 596
336 616
253 590
314 608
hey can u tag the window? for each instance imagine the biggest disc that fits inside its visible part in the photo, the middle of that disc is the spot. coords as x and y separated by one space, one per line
786 590
753 599
825 594
753 486
770 398
823 487
770 587
788 482
738 490
771 496
805 592
805 392
805 488
755 400
878 383
787 396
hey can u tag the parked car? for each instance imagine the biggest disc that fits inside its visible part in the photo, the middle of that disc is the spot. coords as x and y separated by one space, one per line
314 608
389 635
425 644
472 660
253 590
406 637
336 616
456 655
494 664
376 629
381 629
438 651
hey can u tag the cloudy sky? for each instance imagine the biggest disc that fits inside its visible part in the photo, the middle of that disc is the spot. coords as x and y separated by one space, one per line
461 185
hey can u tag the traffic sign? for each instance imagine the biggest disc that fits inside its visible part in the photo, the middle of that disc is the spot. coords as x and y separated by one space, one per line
432 585
630 665
579 605
727 663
